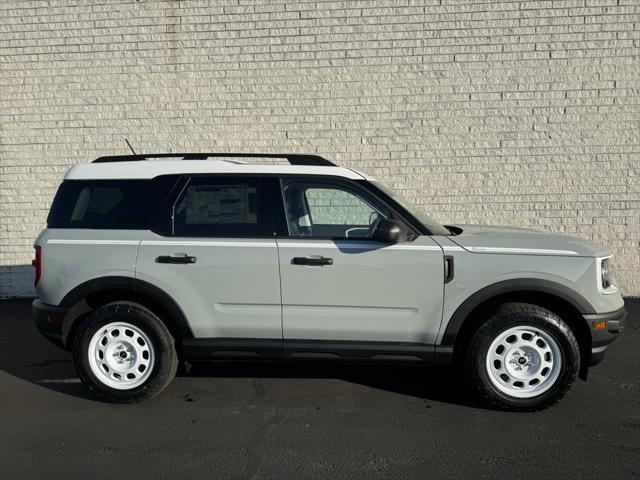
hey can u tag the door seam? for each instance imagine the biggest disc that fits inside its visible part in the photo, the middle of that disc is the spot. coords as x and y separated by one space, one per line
281 301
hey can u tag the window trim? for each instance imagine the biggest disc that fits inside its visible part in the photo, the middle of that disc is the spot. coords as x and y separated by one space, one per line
273 191
362 186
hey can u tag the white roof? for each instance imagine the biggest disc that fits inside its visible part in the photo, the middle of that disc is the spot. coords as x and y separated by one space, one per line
153 168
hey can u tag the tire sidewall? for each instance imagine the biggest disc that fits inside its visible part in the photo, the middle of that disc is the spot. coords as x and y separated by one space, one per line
164 362
553 326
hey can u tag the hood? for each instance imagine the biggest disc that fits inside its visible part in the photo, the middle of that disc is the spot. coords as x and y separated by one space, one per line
523 241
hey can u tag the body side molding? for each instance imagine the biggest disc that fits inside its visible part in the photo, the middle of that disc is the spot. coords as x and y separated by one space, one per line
232 348
223 348
357 350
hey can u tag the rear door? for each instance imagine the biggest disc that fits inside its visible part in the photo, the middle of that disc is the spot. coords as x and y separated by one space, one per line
344 293
217 257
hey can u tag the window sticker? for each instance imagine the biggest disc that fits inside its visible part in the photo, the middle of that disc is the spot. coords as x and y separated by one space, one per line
220 204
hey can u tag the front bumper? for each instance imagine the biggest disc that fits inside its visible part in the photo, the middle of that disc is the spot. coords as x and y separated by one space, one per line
602 337
49 320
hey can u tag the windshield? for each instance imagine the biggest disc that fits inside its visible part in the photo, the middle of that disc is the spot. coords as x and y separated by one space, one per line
434 227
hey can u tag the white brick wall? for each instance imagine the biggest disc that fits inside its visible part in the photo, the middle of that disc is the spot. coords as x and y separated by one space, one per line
520 113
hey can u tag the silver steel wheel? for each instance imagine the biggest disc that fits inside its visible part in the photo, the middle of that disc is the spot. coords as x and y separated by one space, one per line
121 356
524 361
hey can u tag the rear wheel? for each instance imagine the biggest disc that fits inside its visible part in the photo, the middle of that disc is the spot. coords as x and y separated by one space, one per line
523 357
124 353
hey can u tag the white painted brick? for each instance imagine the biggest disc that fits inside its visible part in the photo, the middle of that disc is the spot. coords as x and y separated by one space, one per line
522 113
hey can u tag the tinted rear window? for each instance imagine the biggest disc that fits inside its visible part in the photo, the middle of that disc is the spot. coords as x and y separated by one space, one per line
109 204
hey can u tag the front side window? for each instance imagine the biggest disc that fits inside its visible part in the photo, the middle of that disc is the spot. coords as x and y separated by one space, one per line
330 209
219 207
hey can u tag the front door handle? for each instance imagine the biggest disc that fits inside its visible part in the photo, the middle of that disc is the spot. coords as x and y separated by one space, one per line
176 258
312 261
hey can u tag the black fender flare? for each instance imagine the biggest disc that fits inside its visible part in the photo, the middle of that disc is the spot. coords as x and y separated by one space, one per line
135 286
515 285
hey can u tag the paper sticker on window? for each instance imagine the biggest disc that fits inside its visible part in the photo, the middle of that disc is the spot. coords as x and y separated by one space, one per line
220 204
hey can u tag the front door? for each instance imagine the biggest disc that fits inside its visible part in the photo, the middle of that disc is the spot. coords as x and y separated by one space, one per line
343 292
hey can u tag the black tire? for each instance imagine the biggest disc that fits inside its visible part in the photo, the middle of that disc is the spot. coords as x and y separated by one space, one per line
165 358
513 315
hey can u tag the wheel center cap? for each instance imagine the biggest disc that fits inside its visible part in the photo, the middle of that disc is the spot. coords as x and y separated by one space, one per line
123 354
522 360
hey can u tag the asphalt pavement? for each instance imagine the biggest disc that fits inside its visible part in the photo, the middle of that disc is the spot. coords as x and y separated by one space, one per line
307 421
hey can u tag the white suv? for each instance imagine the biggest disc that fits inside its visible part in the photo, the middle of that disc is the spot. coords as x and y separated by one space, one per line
145 263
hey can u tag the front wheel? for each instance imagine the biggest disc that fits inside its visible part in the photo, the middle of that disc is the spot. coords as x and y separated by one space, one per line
523 357
124 353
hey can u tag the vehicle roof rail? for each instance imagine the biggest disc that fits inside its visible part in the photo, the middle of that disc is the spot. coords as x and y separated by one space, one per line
294 159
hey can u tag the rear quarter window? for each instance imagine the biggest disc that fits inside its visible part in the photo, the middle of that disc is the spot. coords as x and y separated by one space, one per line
109 204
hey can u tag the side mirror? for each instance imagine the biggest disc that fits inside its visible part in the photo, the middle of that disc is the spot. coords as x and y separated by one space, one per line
388 231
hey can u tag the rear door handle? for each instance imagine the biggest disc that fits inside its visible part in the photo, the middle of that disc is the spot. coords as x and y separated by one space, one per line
312 261
176 258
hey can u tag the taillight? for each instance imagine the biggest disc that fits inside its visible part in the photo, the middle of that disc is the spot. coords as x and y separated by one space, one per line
37 263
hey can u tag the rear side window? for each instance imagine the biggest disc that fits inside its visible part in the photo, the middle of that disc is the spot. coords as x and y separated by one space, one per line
109 204
221 207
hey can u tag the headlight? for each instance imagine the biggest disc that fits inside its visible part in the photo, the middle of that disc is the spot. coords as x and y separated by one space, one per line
606 270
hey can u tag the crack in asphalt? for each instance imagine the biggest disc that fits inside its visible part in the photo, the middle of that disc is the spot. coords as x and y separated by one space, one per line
253 451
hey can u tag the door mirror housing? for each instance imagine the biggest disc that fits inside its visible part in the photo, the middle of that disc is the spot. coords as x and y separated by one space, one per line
388 231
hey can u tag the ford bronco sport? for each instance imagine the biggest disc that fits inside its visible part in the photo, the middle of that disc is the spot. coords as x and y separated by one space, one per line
147 263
